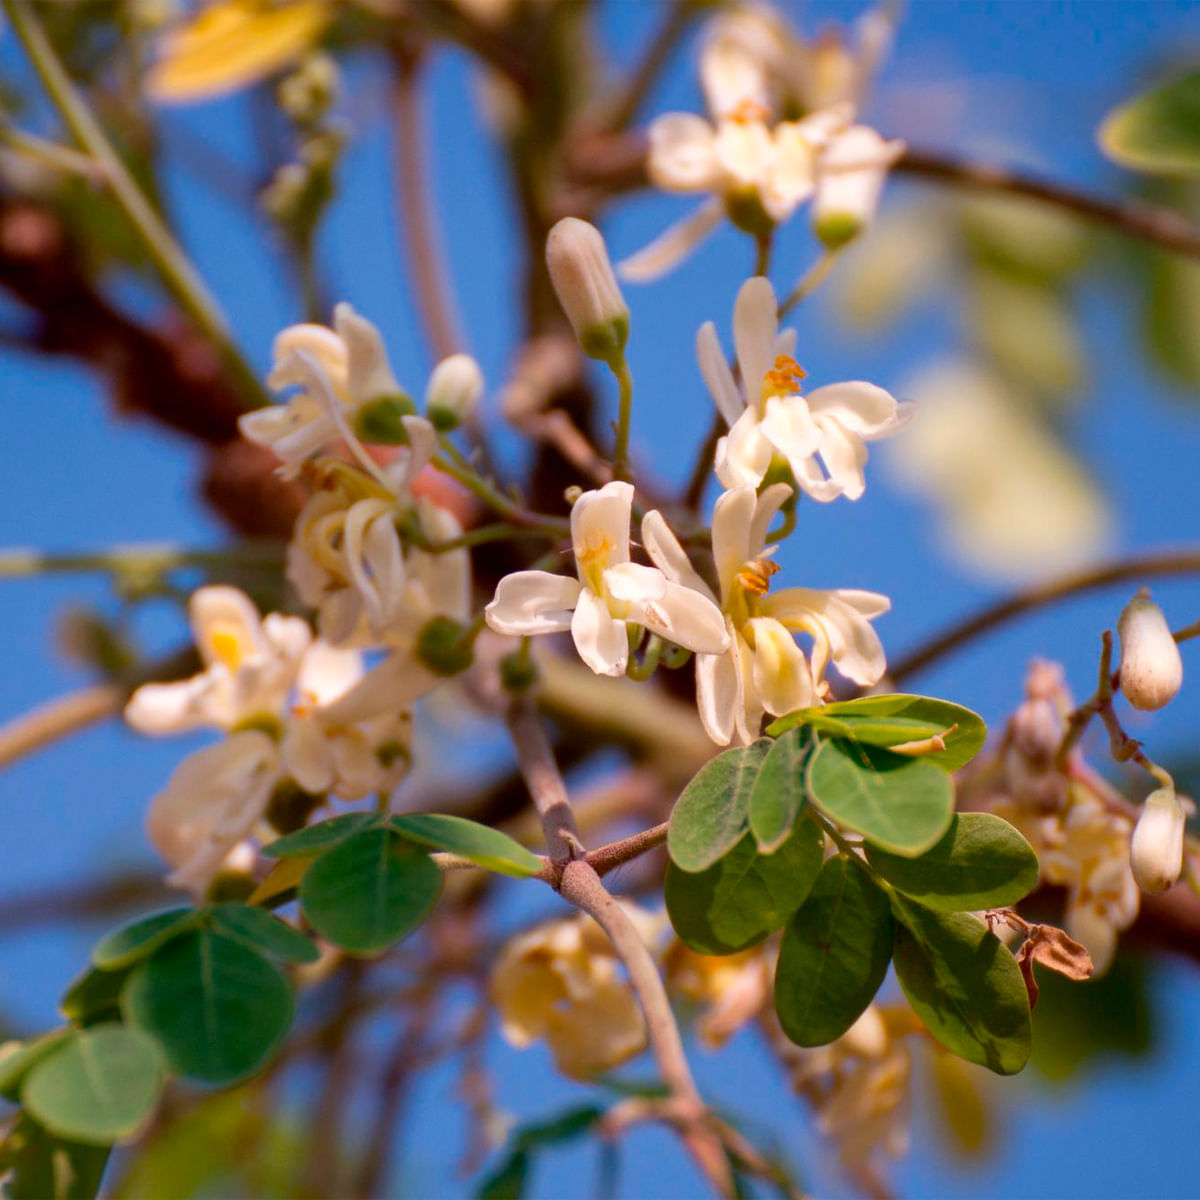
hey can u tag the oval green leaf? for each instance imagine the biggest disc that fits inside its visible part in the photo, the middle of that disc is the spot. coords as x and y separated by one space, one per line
319 837
711 815
964 984
834 954
19 1058
895 719
369 891
1158 131
267 932
904 805
99 1086
745 896
216 1007
94 996
778 793
138 939
469 839
982 862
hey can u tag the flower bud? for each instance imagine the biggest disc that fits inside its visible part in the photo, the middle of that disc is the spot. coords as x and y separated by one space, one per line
1156 849
850 179
1151 669
453 392
587 289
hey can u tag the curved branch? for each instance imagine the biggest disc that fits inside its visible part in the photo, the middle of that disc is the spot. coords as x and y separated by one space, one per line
1160 562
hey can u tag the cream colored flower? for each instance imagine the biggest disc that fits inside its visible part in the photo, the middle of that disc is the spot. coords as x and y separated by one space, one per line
1151 666
250 664
561 983
610 593
733 988
1156 848
764 670
231 44
822 436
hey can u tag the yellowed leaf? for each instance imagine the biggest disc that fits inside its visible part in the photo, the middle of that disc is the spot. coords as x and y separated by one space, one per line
285 875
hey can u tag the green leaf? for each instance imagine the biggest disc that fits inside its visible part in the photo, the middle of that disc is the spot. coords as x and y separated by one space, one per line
711 815
745 896
18 1059
834 954
138 939
964 984
1171 318
94 995
893 720
982 862
319 837
44 1167
564 1127
369 891
469 839
100 1085
1158 131
508 1180
267 932
778 793
217 1007
904 805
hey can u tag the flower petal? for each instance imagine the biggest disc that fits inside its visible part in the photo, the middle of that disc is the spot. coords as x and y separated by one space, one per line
687 618
530 602
767 505
668 555
733 516
671 247
600 525
368 372
845 455
782 677
744 456
788 426
717 375
599 637
681 156
860 407
755 323
633 583
390 687
717 697
853 642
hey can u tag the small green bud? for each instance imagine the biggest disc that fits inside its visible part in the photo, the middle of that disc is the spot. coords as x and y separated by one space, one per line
836 229
443 648
453 392
745 210
380 422
518 672
290 807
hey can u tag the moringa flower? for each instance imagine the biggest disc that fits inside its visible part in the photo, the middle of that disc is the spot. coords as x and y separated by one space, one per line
1151 666
764 670
821 435
1156 848
610 593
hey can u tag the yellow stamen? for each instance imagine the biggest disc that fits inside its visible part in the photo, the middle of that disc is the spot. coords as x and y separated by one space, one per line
785 377
749 111
227 647
755 577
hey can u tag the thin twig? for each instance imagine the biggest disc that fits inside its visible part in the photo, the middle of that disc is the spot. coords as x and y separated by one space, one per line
1159 562
1132 218
430 276
616 854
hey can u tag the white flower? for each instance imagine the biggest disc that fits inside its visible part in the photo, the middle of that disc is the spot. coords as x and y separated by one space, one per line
345 389
214 800
1156 848
757 174
822 435
250 664
1151 666
610 593
851 173
454 390
764 670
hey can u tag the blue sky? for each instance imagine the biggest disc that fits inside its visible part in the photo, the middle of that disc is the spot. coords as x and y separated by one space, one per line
1027 80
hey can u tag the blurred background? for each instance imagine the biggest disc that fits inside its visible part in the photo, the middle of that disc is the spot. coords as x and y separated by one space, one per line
1058 370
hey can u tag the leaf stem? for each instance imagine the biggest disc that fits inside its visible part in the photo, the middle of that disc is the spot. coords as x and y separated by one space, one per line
624 378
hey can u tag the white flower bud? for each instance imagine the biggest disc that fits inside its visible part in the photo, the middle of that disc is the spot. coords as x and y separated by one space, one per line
1151 668
1156 849
850 179
453 392
587 289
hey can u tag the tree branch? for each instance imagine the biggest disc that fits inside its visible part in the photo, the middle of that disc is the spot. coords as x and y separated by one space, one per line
1159 562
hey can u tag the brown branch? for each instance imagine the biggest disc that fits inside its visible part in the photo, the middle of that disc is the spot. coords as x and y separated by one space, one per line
1131 218
430 277
616 854
1158 562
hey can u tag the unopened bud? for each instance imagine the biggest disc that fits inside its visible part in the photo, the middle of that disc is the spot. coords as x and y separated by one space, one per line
453 392
850 180
443 648
587 289
311 90
1151 668
1156 849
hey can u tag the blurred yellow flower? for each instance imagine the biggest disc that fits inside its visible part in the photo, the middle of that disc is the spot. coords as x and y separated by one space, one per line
232 44
561 982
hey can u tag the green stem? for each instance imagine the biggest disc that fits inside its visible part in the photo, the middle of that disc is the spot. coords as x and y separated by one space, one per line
177 272
642 670
457 468
50 154
624 418
809 281
17 564
763 244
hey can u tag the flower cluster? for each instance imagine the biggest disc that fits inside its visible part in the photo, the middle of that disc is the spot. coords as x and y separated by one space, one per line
782 132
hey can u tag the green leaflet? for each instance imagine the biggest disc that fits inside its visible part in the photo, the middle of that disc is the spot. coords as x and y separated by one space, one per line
981 862
370 890
778 793
488 847
1158 131
964 984
264 931
834 954
711 815
137 939
746 895
900 804
215 1005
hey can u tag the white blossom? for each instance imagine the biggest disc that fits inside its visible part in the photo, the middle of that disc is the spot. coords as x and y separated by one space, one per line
609 594
764 670
822 436
1156 848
